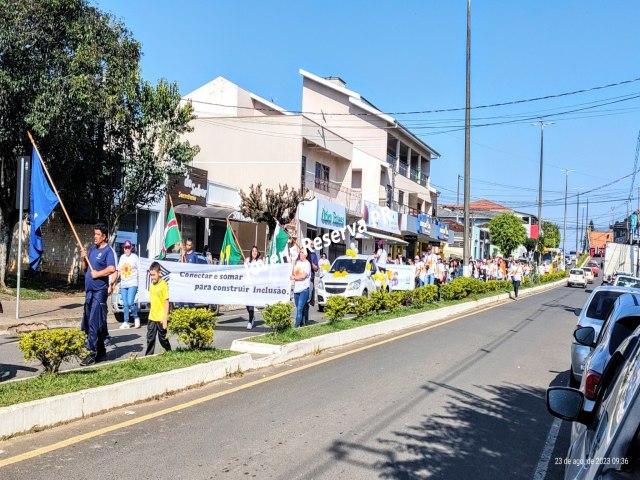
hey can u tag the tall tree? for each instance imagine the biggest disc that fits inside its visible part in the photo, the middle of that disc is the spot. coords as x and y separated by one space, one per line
507 232
551 235
271 206
70 74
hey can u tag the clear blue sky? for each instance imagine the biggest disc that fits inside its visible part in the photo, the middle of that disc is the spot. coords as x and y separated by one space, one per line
410 56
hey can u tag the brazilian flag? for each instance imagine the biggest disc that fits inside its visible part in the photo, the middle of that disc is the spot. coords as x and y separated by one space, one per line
230 253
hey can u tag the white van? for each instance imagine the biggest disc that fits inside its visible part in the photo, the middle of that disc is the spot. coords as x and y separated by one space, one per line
348 277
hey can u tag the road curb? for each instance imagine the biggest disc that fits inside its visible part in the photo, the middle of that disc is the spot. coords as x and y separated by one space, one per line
48 412
276 354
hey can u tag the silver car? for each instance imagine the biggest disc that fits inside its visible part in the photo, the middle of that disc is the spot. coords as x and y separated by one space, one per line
621 323
627 281
606 444
593 314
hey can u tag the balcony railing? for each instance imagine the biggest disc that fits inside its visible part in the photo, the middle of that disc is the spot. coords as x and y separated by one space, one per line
335 192
403 169
391 159
423 180
414 175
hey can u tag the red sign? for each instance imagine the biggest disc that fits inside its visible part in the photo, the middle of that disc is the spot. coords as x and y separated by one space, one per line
533 232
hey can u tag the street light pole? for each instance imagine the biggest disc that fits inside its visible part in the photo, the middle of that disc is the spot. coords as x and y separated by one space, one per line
542 125
564 228
467 151
577 225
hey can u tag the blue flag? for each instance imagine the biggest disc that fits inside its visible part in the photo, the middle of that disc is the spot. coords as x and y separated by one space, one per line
42 203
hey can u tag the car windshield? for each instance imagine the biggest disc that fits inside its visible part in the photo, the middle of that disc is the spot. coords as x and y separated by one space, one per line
628 282
356 265
576 272
601 304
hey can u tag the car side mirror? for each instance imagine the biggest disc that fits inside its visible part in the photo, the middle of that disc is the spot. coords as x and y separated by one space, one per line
322 273
564 402
585 336
367 273
577 312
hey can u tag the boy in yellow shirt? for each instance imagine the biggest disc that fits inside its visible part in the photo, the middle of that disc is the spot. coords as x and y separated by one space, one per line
159 311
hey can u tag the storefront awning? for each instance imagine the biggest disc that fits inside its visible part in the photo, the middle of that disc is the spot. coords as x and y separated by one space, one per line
381 236
214 212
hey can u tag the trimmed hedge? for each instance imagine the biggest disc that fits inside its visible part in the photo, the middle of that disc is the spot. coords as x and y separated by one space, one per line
278 316
52 347
193 326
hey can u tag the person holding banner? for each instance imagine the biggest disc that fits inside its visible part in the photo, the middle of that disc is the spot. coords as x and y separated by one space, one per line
102 263
255 258
128 274
302 278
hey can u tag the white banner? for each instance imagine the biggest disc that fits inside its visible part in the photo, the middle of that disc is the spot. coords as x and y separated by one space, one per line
258 285
403 277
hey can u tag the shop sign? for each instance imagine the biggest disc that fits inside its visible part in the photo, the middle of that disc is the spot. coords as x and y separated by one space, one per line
381 218
330 215
443 231
424 224
189 188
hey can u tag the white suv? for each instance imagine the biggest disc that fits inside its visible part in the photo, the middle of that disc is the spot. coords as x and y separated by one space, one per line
348 277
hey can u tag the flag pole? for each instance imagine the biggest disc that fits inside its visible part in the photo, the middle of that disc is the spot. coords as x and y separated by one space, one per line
244 259
177 227
55 190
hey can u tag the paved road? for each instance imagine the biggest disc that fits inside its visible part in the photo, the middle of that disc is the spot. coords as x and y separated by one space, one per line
459 401
229 327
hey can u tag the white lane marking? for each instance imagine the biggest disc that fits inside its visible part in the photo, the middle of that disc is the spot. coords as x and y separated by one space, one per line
545 456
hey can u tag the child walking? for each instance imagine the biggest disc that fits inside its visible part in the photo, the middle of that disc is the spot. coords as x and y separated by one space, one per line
159 311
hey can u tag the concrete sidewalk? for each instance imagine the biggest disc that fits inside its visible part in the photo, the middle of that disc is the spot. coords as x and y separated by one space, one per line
40 314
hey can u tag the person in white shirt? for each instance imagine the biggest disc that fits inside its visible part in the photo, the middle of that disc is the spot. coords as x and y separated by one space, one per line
420 271
302 278
324 263
430 261
128 273
381 257
516 272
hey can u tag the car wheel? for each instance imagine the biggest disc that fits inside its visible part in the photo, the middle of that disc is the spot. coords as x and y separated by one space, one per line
119 316
365 293
215 309
321 308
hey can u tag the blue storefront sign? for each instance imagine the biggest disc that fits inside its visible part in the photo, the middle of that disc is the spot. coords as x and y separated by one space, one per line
424 224
330 215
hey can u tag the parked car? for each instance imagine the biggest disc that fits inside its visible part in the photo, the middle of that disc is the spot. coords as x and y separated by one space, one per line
577 278
627 281
594 267
605 443
611 279
620 324
588 273
348 277
593 314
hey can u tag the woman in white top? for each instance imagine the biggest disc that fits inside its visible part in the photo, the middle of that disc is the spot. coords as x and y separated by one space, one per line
255 258
128 274
302 278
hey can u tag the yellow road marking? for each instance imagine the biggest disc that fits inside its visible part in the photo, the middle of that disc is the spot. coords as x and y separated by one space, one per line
101 431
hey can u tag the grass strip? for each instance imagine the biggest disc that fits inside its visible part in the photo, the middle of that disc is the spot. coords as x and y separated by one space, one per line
296 334
47 385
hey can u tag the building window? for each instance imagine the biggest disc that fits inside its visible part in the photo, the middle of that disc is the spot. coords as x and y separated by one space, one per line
322 177
400 197
356 179
389 196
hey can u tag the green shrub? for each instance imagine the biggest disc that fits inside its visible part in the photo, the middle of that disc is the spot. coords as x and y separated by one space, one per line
526 281
278 316
360 306
453 291
52 347
424 295
393 301
497 285
377 301
336 308
408 297
193 326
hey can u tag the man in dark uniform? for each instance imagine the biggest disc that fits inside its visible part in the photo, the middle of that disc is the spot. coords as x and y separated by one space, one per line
97 265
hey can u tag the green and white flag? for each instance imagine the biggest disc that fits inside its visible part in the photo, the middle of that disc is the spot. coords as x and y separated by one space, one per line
279 243
171 233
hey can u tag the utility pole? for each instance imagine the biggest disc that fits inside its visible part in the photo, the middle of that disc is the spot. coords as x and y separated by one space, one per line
582 230
564 228
542 125
577 224
467 151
